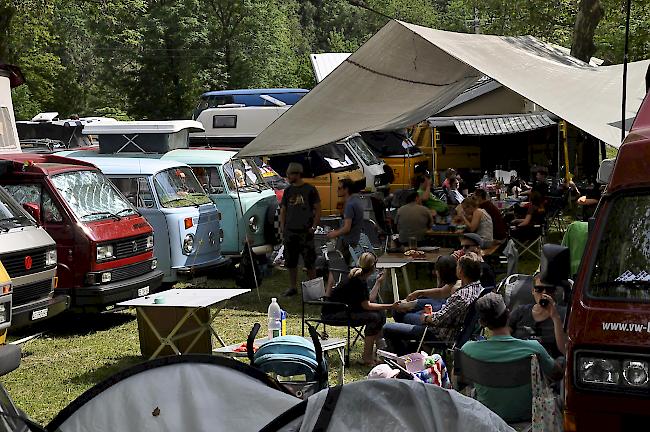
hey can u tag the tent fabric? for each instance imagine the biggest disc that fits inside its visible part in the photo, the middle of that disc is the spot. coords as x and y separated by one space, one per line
323 64
405 73
501 125
400 405
178 393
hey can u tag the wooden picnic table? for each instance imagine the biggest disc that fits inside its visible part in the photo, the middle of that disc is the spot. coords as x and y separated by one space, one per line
397 260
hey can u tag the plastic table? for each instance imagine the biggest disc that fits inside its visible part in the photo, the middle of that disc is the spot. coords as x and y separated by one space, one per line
191 302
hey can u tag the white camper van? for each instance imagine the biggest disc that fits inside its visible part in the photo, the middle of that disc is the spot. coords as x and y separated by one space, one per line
27 251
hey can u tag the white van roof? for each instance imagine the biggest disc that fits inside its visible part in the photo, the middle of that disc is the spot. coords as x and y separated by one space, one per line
124 166
143 127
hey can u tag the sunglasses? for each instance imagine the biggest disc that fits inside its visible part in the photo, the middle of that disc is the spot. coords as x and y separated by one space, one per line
548 289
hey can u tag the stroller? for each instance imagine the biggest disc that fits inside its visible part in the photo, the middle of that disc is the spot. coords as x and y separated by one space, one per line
295 362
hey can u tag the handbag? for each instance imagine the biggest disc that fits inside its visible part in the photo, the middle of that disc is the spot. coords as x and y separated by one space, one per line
547 416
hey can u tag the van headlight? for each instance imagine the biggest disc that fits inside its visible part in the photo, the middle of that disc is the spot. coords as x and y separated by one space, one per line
188 244
150 242
104 252
253 225
50 257
592 370
618 372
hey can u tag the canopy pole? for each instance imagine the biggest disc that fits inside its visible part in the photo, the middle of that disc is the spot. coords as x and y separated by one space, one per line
565 138
625 61
434 149
248 246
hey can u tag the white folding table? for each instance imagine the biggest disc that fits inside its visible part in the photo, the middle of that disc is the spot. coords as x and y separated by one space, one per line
192 300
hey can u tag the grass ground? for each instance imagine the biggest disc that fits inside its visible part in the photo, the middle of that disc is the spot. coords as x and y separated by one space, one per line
77 351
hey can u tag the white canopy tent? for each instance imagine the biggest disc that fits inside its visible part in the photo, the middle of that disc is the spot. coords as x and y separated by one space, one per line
404 73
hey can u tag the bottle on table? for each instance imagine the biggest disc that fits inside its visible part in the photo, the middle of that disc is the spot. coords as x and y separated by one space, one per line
275 319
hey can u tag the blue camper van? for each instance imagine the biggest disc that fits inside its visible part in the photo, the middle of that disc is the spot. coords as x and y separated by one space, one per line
185 221
246 201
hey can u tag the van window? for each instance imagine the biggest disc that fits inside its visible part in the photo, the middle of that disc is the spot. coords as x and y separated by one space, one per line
8 139
209 178
622 268
224 121
136 190
11 216
245 174
361 148
338 157
91 196
34 193
178 187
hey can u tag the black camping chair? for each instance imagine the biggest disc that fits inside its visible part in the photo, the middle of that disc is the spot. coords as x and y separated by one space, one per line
313 293
468 370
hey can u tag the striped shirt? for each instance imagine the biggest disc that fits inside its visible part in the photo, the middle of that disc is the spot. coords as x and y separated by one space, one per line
447 322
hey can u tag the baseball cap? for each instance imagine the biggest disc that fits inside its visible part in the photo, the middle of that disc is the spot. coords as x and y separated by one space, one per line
382 371
475 238
294 168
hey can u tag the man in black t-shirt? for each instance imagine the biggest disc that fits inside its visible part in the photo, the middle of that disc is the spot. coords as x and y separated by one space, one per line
299 216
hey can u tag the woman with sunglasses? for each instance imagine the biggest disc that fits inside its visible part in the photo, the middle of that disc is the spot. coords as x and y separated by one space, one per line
362 307
543 320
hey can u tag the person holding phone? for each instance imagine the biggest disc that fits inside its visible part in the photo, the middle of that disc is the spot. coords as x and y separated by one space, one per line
543 320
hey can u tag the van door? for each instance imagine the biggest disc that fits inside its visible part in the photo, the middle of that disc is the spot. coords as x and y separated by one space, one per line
211 178
58 226
138 191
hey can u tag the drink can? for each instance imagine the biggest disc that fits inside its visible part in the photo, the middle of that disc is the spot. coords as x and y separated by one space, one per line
284 323
428 309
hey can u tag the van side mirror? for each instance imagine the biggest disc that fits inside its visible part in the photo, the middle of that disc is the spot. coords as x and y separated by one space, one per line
34 210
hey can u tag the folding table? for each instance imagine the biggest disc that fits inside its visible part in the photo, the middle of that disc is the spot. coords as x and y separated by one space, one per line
394 261
193 304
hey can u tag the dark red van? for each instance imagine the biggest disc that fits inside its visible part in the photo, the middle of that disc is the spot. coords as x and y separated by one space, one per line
104 246
607 382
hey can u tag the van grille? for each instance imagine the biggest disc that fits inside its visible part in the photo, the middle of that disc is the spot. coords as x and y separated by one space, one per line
26 293
14 262
131 246
128 272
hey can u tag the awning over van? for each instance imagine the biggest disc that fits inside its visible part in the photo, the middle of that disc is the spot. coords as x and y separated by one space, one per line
501 125
405 73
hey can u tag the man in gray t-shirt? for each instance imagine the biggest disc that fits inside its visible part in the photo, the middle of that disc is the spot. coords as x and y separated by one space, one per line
353 211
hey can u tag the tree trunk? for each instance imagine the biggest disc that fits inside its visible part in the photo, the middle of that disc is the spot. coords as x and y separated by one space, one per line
6 14
589 15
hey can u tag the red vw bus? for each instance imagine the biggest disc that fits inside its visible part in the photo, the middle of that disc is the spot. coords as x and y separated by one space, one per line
104 246
607 381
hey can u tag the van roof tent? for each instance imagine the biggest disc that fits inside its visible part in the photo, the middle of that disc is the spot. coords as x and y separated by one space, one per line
68 132
45 163
405 73
143 136
10 77
254 91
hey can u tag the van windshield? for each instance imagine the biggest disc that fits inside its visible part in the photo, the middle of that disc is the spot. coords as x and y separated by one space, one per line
361 148
336 156
244 174
622 268
275 180
91 196
178 187
11 216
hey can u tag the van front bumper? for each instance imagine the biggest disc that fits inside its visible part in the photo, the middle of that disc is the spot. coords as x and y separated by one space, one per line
34 311
115 292
203 268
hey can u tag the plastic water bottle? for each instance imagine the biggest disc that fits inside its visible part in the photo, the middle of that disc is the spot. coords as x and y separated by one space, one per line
275 319
485 180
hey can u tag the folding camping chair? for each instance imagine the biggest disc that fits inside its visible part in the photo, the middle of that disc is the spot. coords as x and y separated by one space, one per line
493 374
555 212
531 246
313 293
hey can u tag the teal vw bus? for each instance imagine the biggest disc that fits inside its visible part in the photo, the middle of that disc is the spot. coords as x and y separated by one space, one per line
247 203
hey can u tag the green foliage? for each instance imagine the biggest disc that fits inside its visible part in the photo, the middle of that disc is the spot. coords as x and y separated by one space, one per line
153 58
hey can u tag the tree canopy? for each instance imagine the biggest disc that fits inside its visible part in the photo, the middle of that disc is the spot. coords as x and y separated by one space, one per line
153 58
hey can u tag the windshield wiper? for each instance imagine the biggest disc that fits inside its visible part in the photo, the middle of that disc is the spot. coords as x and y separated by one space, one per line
123 210
109 214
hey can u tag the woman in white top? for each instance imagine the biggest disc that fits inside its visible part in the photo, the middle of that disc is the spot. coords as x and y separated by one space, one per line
476 220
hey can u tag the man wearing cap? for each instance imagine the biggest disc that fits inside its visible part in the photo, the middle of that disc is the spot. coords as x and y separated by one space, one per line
472 242
299 216
512 404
